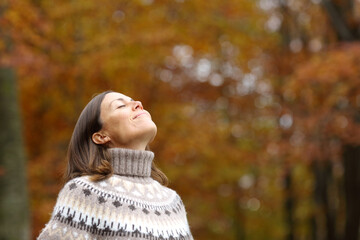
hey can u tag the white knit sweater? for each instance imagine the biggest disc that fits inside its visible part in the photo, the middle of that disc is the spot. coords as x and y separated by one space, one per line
128 205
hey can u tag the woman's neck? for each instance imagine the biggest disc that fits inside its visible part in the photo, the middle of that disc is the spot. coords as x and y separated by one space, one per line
129 162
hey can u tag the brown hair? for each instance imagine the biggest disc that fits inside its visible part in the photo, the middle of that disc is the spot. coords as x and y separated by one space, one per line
84 157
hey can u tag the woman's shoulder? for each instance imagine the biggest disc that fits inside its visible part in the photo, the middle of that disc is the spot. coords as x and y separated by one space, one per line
142 190
74 185
118 191
71 190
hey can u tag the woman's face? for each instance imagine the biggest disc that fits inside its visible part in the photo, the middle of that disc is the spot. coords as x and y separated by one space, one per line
125 123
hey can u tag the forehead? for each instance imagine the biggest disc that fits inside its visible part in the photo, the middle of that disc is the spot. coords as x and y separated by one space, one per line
113 96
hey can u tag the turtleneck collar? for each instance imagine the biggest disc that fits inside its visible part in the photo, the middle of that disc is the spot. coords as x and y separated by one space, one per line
129 162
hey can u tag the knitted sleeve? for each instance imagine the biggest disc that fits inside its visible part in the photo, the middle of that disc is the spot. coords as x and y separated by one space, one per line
69 205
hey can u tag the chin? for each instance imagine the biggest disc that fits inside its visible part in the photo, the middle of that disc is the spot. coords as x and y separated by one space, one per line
152 133
147 132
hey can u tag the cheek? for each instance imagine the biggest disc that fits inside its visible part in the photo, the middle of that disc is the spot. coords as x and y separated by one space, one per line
121 123
117 124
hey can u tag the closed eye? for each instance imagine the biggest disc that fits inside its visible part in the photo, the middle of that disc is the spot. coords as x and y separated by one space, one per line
121 106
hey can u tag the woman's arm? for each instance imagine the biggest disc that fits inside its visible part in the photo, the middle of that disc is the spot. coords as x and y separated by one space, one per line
64 222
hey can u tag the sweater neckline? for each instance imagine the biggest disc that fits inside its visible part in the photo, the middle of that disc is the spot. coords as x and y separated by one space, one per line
129 162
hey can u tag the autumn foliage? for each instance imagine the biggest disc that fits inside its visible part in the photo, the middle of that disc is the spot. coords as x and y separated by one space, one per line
255 126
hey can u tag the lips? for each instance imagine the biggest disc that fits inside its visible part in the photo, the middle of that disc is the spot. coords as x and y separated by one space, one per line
137 115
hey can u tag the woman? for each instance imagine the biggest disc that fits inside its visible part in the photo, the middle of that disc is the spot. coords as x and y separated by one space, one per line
113 189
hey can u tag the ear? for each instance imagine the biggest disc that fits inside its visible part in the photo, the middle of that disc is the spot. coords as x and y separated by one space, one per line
100 138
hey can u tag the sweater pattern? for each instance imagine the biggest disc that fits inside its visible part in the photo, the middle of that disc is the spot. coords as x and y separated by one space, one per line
120 207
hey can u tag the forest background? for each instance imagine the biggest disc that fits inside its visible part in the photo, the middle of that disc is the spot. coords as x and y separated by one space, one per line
256 103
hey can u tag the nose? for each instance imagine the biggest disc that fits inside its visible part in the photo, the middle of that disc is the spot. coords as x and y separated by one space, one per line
137 105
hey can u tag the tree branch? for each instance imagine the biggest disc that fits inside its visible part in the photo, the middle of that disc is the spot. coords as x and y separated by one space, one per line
338 21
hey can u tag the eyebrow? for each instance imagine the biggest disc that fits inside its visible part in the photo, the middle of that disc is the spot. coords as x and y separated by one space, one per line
119 99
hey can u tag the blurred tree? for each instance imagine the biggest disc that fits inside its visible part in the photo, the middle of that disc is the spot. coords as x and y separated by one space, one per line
312 30
14 206
327 109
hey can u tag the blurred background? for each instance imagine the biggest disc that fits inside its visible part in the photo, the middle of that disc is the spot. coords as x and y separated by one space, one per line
256 103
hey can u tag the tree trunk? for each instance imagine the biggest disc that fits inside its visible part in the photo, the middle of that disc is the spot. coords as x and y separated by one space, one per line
313 227
338 21
351 158
239 218
323 178
14 216
289 205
